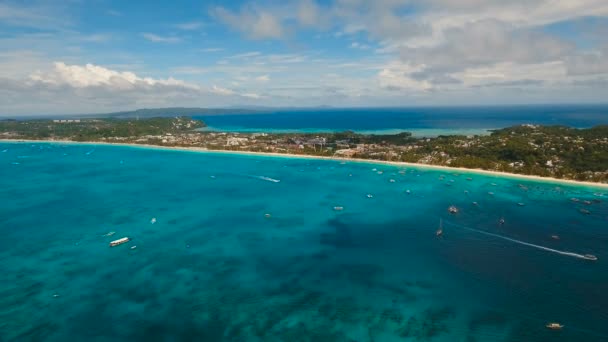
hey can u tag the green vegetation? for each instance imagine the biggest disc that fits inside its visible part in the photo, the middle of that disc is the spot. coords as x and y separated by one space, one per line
95 129
555 151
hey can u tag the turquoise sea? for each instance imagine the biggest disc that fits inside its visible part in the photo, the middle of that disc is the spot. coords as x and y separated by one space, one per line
420 121
214 268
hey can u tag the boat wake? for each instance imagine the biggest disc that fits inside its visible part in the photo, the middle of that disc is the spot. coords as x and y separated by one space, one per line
268 179
571 254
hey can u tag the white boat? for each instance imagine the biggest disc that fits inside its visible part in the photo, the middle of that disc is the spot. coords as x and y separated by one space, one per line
153 220
119 241
453 210
439 231
370 196
109 234
338 208
590 257
554 326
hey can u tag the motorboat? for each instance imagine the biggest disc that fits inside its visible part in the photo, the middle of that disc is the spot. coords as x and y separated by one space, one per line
439 231
338 208
554 326
590 257
453 210
555 237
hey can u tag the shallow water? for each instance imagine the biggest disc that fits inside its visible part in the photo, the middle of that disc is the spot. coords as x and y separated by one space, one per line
213 267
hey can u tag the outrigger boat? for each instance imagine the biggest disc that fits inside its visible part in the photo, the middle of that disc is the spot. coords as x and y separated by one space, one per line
119 241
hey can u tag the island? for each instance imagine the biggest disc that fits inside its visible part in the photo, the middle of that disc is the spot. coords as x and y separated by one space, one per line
547 151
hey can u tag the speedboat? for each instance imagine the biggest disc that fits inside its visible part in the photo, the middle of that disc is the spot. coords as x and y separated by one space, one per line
153 220
521 204
590 257
554 326
555 237
338 208
267 215
453 210
439 231
370 196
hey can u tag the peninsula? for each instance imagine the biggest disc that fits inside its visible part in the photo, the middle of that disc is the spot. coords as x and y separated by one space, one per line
547 151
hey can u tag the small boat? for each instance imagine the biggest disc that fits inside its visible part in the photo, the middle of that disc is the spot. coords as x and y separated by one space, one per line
391 180
109 234
370 196
493 184
153 220
119 241
501 221
469 178
338 208
573 199
379 172
453 210
439 231
585 211
408 191
554 326
590 257
555 237
587 202
267 215
491 193
475 203
133 247
521 204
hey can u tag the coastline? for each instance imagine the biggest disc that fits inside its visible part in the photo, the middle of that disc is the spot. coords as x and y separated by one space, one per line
304 156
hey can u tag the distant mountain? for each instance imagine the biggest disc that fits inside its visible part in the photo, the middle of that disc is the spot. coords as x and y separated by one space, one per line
173 111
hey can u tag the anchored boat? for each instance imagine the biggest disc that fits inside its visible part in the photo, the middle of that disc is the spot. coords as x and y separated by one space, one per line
119 241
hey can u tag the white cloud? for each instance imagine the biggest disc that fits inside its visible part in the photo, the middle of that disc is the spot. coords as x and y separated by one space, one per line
253 22
190 26
92 88
212 49
160 39
263 78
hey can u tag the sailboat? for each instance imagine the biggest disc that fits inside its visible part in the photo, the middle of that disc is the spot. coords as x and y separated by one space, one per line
439 231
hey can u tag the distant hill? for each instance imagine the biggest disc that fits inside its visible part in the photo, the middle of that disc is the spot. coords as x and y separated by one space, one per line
173 111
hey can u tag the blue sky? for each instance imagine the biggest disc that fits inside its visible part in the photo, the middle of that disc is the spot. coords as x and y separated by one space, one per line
103 55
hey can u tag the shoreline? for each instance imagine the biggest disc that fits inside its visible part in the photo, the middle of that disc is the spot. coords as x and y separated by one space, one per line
305 156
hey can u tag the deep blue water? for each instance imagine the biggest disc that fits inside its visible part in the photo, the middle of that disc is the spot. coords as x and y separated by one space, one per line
214 268
428 121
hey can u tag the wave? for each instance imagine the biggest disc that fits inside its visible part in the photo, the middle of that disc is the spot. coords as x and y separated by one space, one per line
571 254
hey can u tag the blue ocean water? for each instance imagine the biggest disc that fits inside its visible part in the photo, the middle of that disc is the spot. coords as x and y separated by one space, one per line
214 268
422 121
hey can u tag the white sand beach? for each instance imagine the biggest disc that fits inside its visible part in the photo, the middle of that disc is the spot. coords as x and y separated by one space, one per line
556 181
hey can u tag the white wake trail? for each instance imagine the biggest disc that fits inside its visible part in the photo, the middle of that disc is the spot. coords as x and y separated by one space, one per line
576 255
